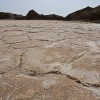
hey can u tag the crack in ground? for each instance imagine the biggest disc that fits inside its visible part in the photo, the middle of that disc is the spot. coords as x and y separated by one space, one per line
75 79
18 66
76 58
21 60
17 42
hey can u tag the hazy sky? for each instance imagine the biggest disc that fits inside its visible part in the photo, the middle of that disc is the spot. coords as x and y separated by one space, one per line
60 7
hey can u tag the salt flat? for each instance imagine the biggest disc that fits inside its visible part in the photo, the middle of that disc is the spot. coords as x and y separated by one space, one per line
49 60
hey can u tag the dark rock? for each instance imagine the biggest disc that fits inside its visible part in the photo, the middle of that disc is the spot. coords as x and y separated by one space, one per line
52 17
32 15
19 17
86 14
4 15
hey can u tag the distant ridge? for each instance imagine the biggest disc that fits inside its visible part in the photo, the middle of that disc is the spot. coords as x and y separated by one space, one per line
86 14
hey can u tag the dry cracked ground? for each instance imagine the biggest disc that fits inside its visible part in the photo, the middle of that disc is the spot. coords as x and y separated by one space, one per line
49 60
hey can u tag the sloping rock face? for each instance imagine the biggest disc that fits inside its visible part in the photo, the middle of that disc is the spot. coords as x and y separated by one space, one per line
6 15
49 60
86 14
32 15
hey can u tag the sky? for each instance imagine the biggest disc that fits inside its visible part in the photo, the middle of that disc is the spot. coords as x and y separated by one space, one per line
59 7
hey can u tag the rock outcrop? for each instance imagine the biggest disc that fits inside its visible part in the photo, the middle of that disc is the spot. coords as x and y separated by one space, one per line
52 17
19 17
6 15
32 15
86 14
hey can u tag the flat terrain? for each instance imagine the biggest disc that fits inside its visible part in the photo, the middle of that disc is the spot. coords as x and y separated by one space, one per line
49 60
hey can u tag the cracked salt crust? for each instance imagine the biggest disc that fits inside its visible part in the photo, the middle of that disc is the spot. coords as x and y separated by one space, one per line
49 82
93 46
68 50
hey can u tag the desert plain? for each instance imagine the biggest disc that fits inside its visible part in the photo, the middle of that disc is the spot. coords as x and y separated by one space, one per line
49 60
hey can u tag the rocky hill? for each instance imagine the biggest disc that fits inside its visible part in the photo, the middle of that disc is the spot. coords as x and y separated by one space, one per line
86 14
31 15
4 15
34 15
